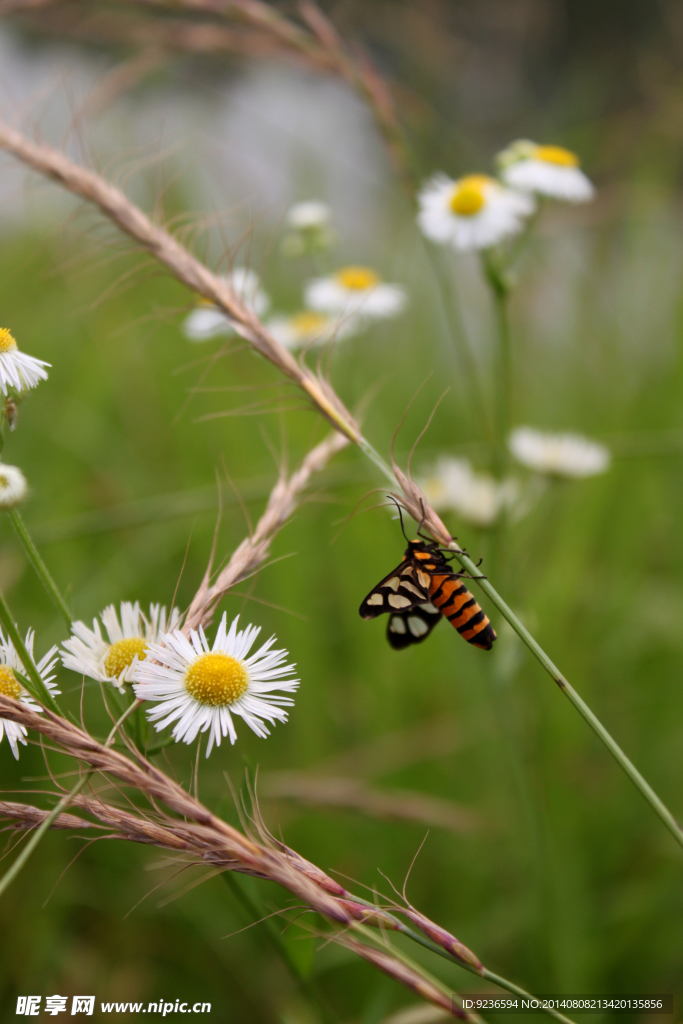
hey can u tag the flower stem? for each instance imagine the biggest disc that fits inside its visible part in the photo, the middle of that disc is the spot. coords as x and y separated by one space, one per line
33 681
570 693
500 290
32 843
308 989
38 564
473 386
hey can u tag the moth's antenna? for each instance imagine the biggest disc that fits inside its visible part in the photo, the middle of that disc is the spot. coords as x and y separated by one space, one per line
400 515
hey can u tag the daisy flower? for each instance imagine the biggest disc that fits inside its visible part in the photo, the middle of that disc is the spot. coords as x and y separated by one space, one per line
355 290
309 328
207 321
201 688
476 497
17 370
474 212
13 486
311 215
115 659
548 170
11 687
310 228
567 455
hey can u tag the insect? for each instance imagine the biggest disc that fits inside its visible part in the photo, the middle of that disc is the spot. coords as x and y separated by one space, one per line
419 592
11 412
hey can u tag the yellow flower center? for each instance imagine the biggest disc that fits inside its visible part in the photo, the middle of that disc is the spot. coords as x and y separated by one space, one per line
357 279
9 686
556 155
469 195
216 680
305 324
121 654
7 342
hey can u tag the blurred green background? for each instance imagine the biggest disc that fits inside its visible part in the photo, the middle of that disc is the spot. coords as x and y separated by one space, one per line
540 855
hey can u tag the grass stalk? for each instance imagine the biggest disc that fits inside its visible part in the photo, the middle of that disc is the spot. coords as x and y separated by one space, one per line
62 804
41 570
484 972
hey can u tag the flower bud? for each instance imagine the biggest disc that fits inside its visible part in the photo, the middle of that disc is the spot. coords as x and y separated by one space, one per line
13 487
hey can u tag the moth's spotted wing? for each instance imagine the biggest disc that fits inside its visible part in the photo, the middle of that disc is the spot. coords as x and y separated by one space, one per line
400 591
412 627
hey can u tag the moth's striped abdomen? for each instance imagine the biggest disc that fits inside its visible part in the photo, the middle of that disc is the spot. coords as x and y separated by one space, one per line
454 600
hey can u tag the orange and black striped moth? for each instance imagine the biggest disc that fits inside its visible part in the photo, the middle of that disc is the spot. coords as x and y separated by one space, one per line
421 590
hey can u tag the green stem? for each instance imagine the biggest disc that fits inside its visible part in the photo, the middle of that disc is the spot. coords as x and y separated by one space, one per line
38 564
658 806
458 335
34 683
500 290
440 951
256 914
32 843
570 693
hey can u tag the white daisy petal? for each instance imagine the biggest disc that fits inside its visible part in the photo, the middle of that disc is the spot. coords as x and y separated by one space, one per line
475 212
17 370
565 455
13 486
200 687
10 686
308 215
355 291
547 170
308 328
477 498
130 637
207 322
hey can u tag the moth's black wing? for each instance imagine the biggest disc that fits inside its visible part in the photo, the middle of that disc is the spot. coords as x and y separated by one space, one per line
400 591
412 627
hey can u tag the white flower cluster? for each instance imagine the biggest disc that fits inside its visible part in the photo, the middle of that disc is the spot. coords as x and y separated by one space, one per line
190 683
336 307
560 455
477 211
479 499
198 687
